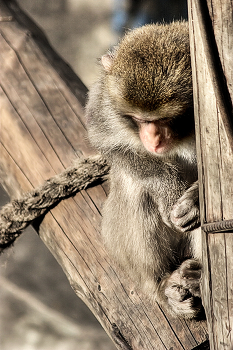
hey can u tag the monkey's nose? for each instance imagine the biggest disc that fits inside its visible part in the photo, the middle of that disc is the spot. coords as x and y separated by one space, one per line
151 136
151 132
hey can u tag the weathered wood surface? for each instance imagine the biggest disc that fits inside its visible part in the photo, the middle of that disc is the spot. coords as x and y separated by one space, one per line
211 29
42 132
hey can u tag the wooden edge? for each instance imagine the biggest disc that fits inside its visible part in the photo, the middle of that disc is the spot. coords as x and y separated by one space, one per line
63 68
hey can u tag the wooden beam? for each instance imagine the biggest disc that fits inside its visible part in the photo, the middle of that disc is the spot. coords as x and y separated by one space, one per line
211 35
42 132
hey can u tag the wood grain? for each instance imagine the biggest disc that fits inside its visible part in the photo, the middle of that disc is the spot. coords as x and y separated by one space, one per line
211 35
42 132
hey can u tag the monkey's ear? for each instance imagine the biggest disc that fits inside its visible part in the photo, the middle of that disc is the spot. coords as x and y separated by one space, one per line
107 61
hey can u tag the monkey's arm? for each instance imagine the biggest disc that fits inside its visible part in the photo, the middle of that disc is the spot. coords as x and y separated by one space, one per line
185 214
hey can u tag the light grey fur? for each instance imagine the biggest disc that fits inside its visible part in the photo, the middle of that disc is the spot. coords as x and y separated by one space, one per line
153 199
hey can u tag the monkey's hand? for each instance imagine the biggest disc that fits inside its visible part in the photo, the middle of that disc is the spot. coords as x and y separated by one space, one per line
182 289
185 214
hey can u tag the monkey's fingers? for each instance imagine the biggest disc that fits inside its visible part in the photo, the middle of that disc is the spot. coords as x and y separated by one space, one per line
187 223
185 216
183 206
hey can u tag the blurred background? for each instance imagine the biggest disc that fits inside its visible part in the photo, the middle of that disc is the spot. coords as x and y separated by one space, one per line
38 309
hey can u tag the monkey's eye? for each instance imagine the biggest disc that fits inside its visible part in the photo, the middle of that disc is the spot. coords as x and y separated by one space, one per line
139 120
131 122
134 122
128 116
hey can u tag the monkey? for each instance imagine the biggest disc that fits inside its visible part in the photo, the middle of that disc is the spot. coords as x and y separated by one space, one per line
140 117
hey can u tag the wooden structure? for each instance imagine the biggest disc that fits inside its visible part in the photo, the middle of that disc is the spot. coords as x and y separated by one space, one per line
42 131
211 36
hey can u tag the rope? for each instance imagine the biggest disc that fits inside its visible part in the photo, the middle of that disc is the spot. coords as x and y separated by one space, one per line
20 213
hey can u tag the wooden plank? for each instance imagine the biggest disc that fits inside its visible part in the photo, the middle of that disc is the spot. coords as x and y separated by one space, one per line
42 132
221 16
218 258
213 112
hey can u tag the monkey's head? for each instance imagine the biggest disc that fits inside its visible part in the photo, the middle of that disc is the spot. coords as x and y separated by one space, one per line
149 82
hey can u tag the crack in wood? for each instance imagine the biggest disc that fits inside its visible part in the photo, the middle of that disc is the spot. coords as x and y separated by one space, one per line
203 346
119 338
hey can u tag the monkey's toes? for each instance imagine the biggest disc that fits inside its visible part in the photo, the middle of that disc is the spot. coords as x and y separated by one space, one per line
190 268
190 273
184 282
182 289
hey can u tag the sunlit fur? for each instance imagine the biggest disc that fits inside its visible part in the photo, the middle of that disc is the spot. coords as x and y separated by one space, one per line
153 63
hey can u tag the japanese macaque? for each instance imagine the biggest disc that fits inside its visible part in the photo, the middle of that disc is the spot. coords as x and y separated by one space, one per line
140 117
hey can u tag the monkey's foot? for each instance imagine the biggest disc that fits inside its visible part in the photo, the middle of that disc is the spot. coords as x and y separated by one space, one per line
185 214
183 291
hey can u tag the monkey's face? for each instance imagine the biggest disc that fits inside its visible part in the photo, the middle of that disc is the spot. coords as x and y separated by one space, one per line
156 136
159 131
160 135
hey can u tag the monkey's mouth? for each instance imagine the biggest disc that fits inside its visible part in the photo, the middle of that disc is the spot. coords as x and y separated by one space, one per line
162 148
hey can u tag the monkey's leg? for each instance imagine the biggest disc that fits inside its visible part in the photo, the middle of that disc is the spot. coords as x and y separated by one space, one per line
182 289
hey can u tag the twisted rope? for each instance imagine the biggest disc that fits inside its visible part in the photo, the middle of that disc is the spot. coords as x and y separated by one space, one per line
20 213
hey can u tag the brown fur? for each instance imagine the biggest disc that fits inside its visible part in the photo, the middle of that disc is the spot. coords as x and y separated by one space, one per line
164 74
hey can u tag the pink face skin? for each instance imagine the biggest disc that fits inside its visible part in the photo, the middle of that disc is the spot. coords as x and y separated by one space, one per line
156 135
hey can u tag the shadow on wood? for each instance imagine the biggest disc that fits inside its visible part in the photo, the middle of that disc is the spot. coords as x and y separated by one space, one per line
42 132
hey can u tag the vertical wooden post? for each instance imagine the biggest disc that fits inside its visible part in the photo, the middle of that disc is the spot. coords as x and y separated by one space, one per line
211 38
